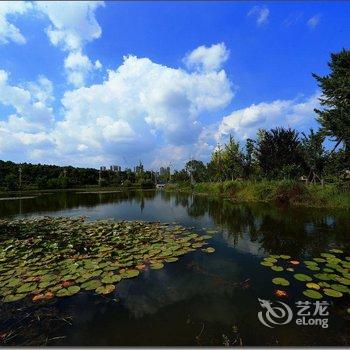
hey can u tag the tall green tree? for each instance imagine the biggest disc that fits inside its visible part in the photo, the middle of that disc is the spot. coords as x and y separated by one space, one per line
279 153
314 154
232 160
335 100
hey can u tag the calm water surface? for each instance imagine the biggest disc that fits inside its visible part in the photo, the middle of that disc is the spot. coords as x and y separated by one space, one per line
203 299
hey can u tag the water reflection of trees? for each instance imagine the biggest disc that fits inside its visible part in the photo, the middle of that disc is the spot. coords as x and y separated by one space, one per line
68 200
294 231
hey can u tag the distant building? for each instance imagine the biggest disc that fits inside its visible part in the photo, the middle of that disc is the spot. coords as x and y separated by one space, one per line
138 169
116 168
164 171
103 168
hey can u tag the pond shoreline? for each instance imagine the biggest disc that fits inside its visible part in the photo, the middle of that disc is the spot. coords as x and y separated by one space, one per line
276 192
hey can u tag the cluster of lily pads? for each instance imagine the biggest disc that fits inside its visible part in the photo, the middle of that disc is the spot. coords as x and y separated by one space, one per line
327 275
48 257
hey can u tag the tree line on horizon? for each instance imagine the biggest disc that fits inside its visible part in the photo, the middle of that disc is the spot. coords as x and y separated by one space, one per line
279 153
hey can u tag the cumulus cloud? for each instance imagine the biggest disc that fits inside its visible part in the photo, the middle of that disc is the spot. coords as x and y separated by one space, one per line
142 110
73 24
260 13
207 58
28 127
78 67
314 21
140 105
8 31
30 103
244 123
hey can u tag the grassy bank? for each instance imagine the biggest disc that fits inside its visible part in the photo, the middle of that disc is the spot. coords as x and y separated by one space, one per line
281 192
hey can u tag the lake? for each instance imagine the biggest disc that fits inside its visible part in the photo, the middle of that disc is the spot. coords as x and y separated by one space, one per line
203 299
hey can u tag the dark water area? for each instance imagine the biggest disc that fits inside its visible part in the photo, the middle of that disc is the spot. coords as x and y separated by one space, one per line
203 299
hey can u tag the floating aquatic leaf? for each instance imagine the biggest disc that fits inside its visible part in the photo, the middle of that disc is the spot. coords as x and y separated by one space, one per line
54 254
312 285
67 292
130 273
266 263
327 255
340 288
111 279
26 287
277 268
323 276
313 268
208 250
313 294
302 277
308 262
336 251
156 266
106 289
332 293
343 280
13 297
328 270
285 257
91 285
270 259
324 284
280 281
319 260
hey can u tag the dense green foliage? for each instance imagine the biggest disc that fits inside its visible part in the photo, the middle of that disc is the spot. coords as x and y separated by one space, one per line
277 191
335 116
39 176
284 154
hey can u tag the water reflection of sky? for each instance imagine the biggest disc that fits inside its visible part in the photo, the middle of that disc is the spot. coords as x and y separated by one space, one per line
220 290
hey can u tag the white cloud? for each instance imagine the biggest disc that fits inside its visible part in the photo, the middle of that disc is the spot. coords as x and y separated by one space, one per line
78 67
260 13
29 126
140 105
314 21
8 31
73 22
207 58
28 103
245 122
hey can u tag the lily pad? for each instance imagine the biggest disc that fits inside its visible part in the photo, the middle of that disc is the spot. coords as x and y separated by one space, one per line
313 294
312 285
277 268
106 289
285 257
208 250
280 281
340 288
332 293
302 277
13 297
156 266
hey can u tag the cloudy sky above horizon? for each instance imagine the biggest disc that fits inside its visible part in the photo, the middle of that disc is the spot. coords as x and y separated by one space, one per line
99 83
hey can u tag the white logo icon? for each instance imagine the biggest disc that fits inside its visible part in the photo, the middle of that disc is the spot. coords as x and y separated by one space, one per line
274 315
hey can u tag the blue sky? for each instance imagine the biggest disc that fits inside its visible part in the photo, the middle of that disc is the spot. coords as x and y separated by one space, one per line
93 83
